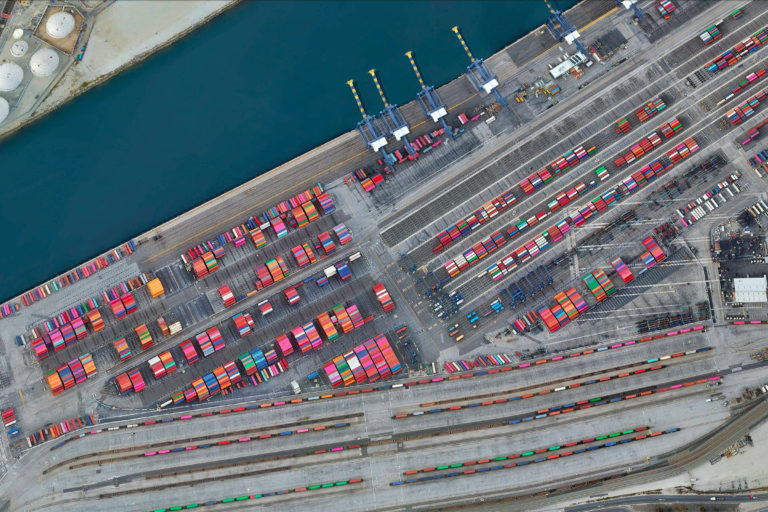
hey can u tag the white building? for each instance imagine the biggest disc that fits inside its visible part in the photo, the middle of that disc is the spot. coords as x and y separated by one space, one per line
568 64
750 289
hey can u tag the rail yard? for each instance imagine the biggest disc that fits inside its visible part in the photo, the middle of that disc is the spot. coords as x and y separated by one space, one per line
549 289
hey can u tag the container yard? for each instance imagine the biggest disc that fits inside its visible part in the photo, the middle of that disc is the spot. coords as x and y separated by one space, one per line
534 241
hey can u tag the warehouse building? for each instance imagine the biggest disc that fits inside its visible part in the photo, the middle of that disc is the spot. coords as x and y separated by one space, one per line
750 289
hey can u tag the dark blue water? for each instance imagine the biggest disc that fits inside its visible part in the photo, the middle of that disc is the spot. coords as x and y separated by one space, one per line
257 86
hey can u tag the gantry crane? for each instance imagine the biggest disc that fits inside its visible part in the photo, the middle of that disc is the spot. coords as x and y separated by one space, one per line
562 29
428 99
370 128
392 117
629 4
478 73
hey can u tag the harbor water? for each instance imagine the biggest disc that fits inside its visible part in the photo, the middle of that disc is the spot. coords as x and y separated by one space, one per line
257 86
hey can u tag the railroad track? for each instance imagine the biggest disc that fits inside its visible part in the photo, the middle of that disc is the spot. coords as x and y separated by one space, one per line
139 451
666 465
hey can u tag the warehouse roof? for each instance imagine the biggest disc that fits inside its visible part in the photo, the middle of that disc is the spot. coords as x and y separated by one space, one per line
750 289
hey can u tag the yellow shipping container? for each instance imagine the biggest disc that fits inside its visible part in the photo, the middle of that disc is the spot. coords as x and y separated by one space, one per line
155 288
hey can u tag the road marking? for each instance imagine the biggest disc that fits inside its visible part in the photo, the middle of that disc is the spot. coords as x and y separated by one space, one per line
21 395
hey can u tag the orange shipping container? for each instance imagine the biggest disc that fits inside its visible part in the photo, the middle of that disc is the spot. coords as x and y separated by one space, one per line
155 288
54 382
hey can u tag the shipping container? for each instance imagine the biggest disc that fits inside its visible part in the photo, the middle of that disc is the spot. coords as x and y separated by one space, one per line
137 381
88 365
325 240
625 274
145 339
382 295
227 296
215 337
291 296
190 354
123 383
54 382
549 319
342 233
327 329
122 349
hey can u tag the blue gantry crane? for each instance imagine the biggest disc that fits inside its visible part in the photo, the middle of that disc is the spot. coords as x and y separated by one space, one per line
429 101
629 4
408 261
562 29
370 128
392 117
478 73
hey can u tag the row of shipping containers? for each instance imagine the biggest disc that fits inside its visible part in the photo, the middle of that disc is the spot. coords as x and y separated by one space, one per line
260 365
257 367
644 113
599 284
130 380
740 50
162 365
710 34
524 322
653 253
368 362
9 308
474 254
622 269
72 277
296 212
59 429
144 337
382 295
510 197
207 262
68 375
123 306
746 108
569 305
665 8
648 143
73 320
270 272
481 216
711 199
650 109
496 240
276 269
326 327
10 423
750 79
479 362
